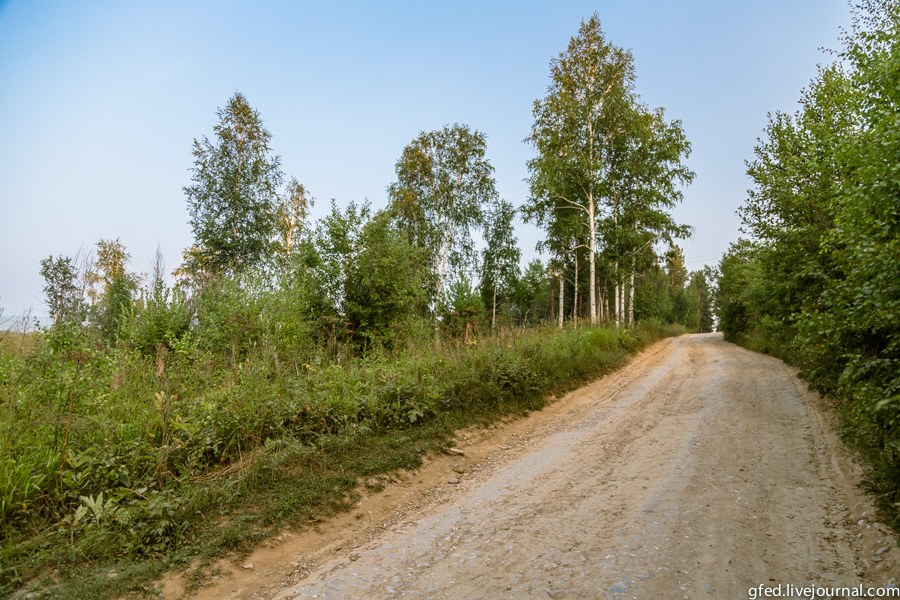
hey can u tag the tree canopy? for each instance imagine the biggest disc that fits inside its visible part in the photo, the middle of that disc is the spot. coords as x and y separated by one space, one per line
444 181
607 168
234 195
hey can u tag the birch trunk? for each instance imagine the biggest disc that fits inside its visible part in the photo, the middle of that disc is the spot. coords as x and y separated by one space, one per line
631 299
615 307
575 296
561 291
601 299
494 315
440 272
592 244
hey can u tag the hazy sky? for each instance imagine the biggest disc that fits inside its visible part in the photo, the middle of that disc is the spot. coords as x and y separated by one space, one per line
100 102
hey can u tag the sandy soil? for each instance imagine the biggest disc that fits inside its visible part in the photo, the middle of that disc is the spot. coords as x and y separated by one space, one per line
698 471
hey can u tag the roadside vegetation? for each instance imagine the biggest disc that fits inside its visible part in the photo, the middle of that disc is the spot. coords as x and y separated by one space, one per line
109 467
162 418
817 280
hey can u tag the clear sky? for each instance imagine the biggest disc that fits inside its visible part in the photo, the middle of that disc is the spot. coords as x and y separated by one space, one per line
100 102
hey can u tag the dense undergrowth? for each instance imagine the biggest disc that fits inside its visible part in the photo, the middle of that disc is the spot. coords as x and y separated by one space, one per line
112 459
818 282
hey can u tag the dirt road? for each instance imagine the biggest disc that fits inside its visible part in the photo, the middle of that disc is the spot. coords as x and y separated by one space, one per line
699 471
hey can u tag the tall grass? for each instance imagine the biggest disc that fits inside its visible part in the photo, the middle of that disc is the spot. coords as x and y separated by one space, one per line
111 455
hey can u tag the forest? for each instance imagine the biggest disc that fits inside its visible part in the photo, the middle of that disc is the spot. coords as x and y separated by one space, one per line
816 280
285 364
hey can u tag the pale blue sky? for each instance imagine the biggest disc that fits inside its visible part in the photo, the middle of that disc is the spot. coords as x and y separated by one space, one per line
100 102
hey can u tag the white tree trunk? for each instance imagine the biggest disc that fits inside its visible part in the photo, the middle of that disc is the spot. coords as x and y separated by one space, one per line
631 299
616 306
575 296
592 244
441 272
601 299
561 291
494 315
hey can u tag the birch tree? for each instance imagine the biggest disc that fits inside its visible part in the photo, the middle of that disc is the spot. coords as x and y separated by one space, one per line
444 181
500 259
233 198
587 106
292 212
649 174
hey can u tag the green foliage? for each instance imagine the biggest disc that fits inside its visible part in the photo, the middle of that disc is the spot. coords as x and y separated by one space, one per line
61 290
228 317
161 317
500 258
740 284
463 311
388 281
338 243
291 213
233 199
531 297
818 285
654 296
444 181
608 169
589 101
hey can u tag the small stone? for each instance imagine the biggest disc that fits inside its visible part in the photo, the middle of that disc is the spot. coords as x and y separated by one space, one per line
247 566
459 469
882 550
453 480
877 560
455 451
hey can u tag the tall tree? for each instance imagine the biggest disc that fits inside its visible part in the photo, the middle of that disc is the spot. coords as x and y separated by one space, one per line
675 268
232 200
649 175
500 259
109 265
112 287
292 211
587 106
443 183
60 288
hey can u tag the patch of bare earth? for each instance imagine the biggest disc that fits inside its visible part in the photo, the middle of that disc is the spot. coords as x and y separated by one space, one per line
698 471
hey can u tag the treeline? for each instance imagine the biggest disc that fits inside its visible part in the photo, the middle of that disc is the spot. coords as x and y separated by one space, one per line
147 402
607 172
818 280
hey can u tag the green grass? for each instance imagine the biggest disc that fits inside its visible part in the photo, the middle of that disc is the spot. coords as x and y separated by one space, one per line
214 456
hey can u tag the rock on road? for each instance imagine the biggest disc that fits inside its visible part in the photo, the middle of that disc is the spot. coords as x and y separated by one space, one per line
698 471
